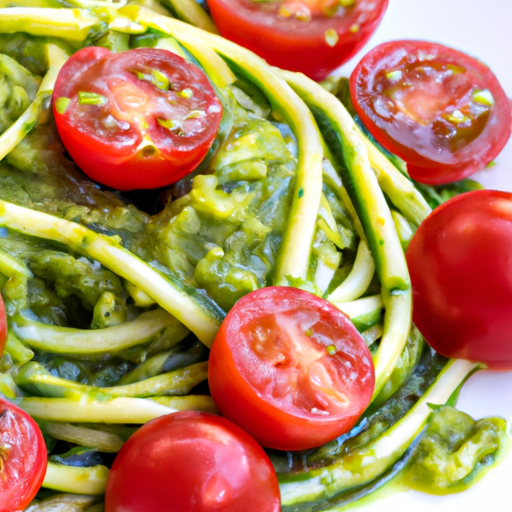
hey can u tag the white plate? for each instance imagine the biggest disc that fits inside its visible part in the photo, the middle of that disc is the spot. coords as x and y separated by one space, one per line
483 29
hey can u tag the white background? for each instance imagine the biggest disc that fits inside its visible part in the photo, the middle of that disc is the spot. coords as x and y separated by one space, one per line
482 28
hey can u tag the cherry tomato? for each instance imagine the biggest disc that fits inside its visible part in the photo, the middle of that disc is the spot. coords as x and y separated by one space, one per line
138 119
3 326
311 36
461 271
441 110
22 458
290 368
192 462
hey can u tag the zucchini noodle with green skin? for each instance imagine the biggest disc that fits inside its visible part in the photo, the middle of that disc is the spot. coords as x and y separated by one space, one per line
109 307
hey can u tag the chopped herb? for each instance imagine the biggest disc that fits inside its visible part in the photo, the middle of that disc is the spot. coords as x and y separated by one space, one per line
195 114
457 117
158 79
484 97
91 98
62 104
186 93
331 37
394 75
170 124
283 11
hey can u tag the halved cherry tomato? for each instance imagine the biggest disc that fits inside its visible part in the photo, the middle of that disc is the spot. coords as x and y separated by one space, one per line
22 458
311 36
290 369
192 462
461 271
441 110
138 119
3 326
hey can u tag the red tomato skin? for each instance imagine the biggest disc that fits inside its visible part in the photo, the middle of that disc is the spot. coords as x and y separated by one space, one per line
270 421
192 462
461 270
3 326
293 44
118 163
23 454
427 162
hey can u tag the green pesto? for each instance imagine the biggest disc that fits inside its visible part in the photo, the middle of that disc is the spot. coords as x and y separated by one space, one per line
455 451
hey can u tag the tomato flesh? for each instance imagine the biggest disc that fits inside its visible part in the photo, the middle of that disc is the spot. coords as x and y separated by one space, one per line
461 272
440 110
191 462
22 458
290 369
143 118
311 36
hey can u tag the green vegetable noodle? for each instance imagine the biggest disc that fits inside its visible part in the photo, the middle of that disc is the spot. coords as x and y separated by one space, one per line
114 298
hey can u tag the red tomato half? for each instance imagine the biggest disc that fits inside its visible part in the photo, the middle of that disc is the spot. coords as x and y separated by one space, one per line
311 36
3 326
22 458
460 261
290 369
138 119
441 110
192 462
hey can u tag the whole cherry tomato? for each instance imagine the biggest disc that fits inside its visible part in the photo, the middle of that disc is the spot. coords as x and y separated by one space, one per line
22 458
439 109
461 270
311 36
138 119
192 462
290 368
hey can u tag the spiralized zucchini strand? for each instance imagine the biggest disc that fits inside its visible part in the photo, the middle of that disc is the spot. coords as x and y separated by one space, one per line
191 12
78 480
24 124
359 278
35 378
113 256
403 194
372 460
113 411
106 442
375 217
71 24
298 239
94 342
63 503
